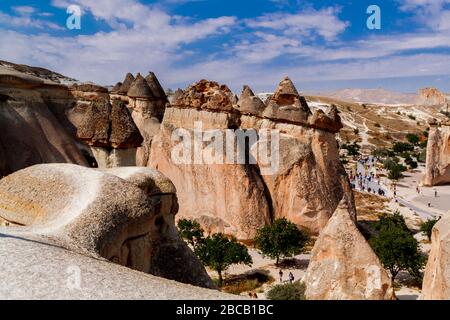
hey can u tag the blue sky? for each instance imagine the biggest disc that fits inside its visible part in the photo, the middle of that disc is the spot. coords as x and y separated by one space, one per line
322 45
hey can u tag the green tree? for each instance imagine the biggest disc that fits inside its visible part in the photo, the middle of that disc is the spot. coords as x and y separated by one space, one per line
352 149
400 147
280 239
395 173
219 252
412 138
288 291
191 231
396 246
427 227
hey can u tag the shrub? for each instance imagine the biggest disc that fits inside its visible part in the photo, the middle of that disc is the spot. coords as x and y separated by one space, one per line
427 227
288 291
381 152
400 147
422 156
412 138
396 172
280 239
352 149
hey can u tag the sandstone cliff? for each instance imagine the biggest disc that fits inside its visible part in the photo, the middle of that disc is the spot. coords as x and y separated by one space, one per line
436 280
438 155
238 198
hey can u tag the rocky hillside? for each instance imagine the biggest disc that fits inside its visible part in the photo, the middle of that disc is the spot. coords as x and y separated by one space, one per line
240 198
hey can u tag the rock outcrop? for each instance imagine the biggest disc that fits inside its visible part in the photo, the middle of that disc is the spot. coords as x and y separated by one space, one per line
238 198
125 215
431 97
33 125
343 265
33 267
147 102
436 280
111 133
437 170
159 95
126 84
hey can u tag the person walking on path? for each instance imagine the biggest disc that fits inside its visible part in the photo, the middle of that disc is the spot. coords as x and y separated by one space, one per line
281 275
435 193
291 277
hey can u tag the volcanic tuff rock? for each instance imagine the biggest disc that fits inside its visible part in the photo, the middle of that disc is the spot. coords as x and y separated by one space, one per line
287 105
239 198
111 133
343 265
139 88
436 280
205 95
249 103
147 101
34 267
33 124
101 214
430 97
126 84
438 156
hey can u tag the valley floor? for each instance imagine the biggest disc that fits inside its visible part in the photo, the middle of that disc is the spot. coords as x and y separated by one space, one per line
412 205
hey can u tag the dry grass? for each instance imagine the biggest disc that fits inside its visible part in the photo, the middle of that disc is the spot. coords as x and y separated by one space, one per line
369 206
250 281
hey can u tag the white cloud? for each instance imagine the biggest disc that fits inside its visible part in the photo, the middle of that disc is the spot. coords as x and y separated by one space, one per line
24 10
324 23
26 21
261 50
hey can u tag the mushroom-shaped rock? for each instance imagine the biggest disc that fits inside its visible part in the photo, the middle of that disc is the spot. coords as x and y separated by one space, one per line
100 214
206 95
329 121
436 280
124 132
287 105
116 87
140 89
126 84
343 265
105 125
94 128
155 86
286 92
250 104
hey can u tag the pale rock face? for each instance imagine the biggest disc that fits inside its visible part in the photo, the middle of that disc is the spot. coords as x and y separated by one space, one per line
110 158
431 97
436 280
33 127
224 198
129 220
240 198
343 265
438 156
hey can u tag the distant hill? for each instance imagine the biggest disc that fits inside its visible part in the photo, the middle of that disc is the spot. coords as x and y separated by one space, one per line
374 96
41 73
